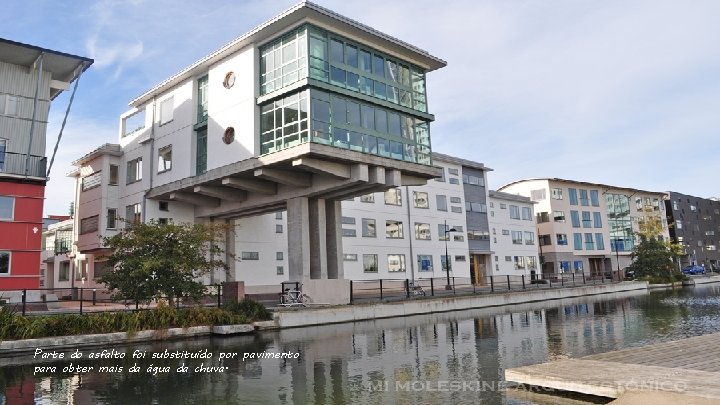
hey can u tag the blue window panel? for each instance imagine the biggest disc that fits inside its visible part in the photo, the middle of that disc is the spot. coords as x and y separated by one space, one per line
565 267
577 241
573 196
594 201
584 198
587 223
575 218
599 243
597 219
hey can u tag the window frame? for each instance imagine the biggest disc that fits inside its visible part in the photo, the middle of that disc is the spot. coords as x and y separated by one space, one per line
162 159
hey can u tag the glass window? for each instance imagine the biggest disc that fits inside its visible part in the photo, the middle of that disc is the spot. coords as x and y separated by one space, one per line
564 266
348 220
589 245
279 255
370 263
350 257
396 263
111 218
166 110
367 198
578 266
529 238
279 270
349 232
393 229
351 56
369 229
575 218
599 241
7 207
559 216
587 222
365 61
584 198
514 212
425 263
556 193
531 262
517 237
597 220
379 65
527 213
441 202
561 239
573 196
577 241
133 213
420 199
278 228
64 273
594 200
134 170
393 197
165 159
422 231
113 180
250 256
544 240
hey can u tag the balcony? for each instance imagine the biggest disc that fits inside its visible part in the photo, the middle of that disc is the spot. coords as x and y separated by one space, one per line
62 246
14 164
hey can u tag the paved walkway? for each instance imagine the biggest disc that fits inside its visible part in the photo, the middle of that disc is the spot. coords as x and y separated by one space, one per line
688 367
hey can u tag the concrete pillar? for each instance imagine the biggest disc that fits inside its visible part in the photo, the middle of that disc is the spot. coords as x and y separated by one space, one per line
333 230
318 242
230 258
298 235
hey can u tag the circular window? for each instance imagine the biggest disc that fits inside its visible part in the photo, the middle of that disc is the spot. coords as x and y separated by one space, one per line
229 80
229 135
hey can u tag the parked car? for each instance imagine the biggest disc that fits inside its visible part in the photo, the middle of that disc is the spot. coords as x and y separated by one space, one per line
694 269
629 274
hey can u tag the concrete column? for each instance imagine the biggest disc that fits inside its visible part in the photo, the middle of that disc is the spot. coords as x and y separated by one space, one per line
298 235
230 250
333 230
318 243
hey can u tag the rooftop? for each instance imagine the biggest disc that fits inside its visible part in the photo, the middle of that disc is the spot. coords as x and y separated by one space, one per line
301 12
606 187
63 66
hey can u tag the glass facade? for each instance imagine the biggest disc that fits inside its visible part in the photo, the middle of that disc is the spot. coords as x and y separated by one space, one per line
342 121
622 238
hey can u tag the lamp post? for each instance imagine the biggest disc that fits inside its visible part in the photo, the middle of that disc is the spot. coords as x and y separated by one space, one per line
448 266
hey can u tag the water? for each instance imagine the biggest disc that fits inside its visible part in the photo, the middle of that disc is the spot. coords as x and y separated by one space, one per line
430 359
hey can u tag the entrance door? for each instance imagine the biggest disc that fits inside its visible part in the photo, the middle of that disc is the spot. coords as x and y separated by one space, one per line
478 269
597 269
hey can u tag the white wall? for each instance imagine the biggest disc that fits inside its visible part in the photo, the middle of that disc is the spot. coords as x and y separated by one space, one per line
503 245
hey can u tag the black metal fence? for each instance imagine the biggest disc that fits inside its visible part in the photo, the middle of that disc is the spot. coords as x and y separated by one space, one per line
82 300
400 289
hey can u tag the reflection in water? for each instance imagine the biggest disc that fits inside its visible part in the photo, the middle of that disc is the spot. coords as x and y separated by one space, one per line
455 357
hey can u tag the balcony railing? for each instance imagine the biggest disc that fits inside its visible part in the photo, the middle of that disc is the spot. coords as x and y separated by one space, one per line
62 246
14 163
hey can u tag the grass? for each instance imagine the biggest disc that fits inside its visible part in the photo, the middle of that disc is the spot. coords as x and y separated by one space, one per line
14 326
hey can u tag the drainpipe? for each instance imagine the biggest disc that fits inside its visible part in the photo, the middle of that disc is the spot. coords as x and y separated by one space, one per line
39 66
410 229
152 160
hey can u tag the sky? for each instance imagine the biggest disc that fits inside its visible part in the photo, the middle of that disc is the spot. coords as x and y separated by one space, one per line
615 91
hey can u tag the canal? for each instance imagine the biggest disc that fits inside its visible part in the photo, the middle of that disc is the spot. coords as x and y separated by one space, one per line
455 357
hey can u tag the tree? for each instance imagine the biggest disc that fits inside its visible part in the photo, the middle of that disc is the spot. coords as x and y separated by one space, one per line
652 258
152 260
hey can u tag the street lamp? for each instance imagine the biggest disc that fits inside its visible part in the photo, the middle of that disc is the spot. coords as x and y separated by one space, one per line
448 266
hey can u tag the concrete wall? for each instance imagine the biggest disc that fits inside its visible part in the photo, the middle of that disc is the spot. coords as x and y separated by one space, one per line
286 319
503 245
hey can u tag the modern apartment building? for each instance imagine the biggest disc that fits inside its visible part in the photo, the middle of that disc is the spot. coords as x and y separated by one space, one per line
30 79
302 112
588 227
513 235
694 223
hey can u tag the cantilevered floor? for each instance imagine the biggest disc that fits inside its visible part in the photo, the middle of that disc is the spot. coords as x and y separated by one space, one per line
689 366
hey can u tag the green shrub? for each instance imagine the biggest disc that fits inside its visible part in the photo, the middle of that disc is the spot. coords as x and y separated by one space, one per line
14 326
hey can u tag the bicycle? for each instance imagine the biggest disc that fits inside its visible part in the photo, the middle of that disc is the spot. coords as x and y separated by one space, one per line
416 289
294 297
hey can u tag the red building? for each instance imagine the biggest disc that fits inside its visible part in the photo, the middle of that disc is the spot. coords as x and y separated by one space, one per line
30 78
